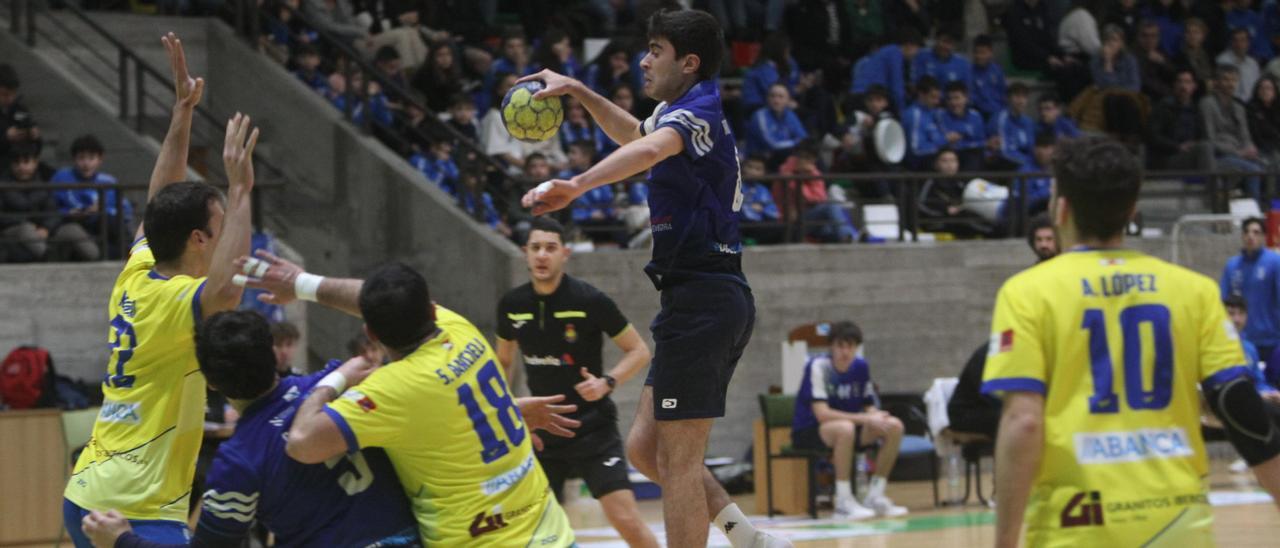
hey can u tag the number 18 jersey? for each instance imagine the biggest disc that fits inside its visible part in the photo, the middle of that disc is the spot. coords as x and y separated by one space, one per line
450 425
1117 342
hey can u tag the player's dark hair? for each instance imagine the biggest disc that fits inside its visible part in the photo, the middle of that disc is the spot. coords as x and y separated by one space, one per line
283 332
87 143
947 32
777 48
235 355
1101 179
1038 223
547 224
534 156
957 86
1262 225
22 150
925 85
1224 69
983 41
845 331
1236 301
876 90
1019 88
587 147
691 32
173 213
460 100
1049 97
397 307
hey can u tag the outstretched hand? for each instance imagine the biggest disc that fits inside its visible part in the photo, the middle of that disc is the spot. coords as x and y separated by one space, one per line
552 195
237 153
270 273
542 413
592 388
186 90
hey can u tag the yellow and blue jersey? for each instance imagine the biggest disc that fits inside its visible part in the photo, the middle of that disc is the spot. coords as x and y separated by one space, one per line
450 425
1118 343
142 454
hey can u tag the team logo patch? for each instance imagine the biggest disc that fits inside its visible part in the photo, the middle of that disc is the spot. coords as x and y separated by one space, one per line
1079 513
570 333
669 403
1000 343
365 402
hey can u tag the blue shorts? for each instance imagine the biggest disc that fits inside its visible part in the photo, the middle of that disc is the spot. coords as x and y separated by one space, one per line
698 338
155 530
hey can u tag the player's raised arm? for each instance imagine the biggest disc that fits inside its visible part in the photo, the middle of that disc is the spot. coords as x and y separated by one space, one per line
171 165
286 282
220 292
314 436
1019 446
616 122
634 157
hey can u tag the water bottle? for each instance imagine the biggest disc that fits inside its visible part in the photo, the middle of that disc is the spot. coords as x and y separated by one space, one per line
861 478
955 470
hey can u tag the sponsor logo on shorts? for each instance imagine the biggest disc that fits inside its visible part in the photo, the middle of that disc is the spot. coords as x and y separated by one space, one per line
669 403
508 479
612 461
1132 446
123 412
1080 512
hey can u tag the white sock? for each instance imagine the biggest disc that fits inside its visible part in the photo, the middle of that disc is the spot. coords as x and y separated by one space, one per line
734 524
876 489
844 489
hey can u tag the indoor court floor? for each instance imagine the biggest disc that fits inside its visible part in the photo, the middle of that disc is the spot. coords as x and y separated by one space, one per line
1244 516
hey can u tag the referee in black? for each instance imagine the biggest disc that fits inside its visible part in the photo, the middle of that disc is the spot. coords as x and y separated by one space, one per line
558 324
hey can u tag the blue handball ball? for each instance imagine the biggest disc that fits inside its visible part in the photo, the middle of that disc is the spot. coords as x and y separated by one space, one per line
528 119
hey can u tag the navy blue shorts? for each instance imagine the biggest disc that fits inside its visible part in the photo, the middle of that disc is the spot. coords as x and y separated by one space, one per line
155 530
698 338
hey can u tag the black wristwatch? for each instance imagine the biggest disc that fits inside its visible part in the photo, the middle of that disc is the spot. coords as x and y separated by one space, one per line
613 383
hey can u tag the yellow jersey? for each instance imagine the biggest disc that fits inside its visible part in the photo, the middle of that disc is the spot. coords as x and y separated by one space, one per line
142 454
1118 342
450 425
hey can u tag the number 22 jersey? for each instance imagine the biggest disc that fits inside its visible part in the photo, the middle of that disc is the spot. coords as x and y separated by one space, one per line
142 455
457 441
1117 342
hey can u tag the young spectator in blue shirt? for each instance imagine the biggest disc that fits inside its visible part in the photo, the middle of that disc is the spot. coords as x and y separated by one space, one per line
478 203
576 126
611 68
888 67
1011 130
1053 120
963 127
920 123
82 205
988 85
1038 189
462 117
941 61
556 53
308 61
595 208
775 129
1238 311
758 205
623 96
1242 16
438 165
775 65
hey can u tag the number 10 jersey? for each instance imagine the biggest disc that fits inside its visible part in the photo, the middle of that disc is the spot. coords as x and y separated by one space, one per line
450 425
1118 343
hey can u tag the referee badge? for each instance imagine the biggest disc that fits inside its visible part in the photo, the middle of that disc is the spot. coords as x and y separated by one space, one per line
570 334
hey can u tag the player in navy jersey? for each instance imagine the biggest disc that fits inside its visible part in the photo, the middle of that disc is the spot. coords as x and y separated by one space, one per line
352 500
707 308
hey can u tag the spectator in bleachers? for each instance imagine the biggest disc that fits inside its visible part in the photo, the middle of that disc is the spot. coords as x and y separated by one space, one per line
856 152
1038 189
920 122
1246 66
821 38
868 25
1213 14
1176 139
943 197
1227 128
1114 67
337 17
307 59
775 129
414 128
1238 312
623 96
988 84
82 205
941 61
836 409
494 137
515 58
17 125
462 117
478 203
963 127
284 31
556 53
1254 274
390 66
774 65
610 69
826 220
887 66
1126 15
1053 120
1264 121
758 205
1169 17
1011 130
744 19
577 125
1078 31
437 164
1156 69
1192 54
284 343
368 100
595 208
1030 31
440 79
1242 16
42 233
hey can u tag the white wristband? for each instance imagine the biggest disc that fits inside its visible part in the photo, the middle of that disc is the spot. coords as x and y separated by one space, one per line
306 286
335 380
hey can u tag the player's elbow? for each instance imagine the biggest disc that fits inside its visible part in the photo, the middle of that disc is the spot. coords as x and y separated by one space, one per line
1023 425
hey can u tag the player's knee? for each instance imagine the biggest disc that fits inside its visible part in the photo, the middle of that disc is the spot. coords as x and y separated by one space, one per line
895 427
642 457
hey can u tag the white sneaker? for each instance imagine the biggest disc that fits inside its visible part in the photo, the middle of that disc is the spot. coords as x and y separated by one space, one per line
848 508
884 507
1239 467
765 540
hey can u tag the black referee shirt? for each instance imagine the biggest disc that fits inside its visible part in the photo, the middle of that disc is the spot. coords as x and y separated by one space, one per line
558 335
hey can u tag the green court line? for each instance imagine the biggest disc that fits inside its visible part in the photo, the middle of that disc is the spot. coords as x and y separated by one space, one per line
907 525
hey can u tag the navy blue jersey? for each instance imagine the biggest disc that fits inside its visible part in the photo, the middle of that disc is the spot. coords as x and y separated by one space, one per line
351 500
694 196
850 391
